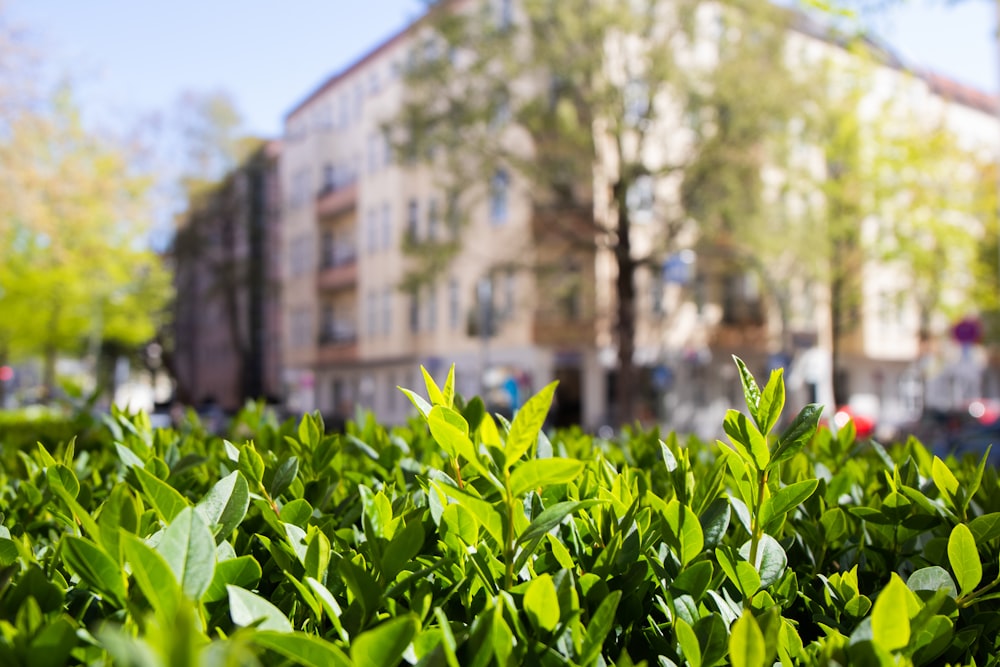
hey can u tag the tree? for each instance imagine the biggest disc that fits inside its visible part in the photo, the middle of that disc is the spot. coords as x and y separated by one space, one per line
74 268
592 110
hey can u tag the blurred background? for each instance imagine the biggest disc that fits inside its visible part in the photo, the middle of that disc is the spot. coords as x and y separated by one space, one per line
206 204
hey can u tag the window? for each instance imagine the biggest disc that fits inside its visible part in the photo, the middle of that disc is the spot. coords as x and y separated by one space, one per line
387 311
345 110
414 312
373 153
328 249
412 221
386 225
329 178
454 307
371 313
431 307
373 83
509 288
498 197
372 230
432 220
386 151
359 100
505 14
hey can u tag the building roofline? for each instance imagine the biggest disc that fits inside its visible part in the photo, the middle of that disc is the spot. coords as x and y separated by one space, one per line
357 64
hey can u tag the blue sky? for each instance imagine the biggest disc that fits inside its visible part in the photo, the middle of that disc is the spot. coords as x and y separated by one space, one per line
132 58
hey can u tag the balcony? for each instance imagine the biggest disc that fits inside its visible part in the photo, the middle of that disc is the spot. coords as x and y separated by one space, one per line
337 345
338 270
336 198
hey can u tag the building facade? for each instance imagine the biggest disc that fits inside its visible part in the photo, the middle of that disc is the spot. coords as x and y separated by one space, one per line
353 330
228 309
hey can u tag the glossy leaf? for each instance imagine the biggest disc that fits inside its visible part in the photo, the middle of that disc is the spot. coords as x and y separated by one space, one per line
225 505
964 559
786 499
188 548
890 622
528 423
301 648
540 473
242 571
685 530
153 575
167 501
94 567
798 433
746 643
772 401
541 603
384 644
246 608
747 439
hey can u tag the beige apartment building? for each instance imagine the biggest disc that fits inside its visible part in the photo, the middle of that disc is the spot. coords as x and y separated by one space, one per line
351 334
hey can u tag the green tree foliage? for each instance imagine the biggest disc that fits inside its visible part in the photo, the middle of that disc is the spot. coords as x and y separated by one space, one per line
594 107
75 271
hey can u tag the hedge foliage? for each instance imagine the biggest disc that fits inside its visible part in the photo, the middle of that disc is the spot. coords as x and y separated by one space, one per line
466 540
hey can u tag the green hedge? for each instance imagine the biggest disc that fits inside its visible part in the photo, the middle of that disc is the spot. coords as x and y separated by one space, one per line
466 540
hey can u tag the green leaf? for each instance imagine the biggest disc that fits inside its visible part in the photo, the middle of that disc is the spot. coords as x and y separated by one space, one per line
451 431
686 536
786 499
739 571
165 499
94 567
422 406
542 473
552 516
251 464
771 559
458 521
688 642
433 392
317 559
309 433
933 578
284 476
751 392
798 433
541 603
301 649
62 477
746 643
528 423
944 479
489 518
384 644
448 391
225 505
986 527
53 644
964 559
749 442
772 401
402 548
242 571
598 628
188 548
246 608
890 618
694 579
153 574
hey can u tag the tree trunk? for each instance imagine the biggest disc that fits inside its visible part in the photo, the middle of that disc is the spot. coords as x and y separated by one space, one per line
625 315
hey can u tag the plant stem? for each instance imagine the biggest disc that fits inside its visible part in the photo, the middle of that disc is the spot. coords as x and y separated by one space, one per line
757 528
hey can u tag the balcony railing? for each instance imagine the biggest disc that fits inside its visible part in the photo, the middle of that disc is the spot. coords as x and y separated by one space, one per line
337 345
333 199
338 271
